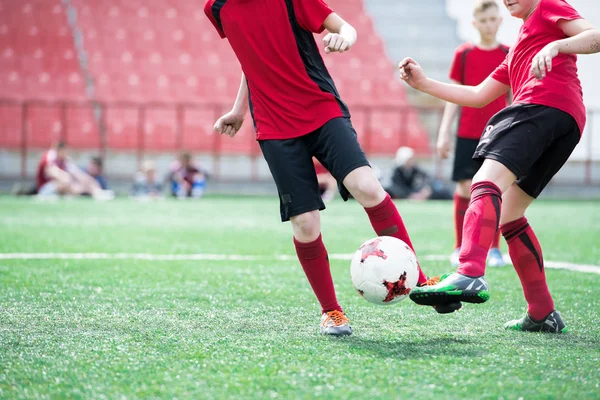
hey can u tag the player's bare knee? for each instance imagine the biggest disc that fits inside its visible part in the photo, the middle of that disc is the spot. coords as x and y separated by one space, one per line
306 226
368 193
364 187
463 188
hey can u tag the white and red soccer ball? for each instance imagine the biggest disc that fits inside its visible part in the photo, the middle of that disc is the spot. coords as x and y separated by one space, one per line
384 270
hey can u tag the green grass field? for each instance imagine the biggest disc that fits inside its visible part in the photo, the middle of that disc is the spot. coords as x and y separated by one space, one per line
218 329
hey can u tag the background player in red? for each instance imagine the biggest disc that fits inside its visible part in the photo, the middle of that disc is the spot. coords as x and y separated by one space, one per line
471 65
298 114
523 147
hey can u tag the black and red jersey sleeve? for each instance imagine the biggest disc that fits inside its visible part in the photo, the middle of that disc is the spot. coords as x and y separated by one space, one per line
311 14
212 9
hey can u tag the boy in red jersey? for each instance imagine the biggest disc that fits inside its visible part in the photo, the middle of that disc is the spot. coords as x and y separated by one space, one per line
522 148
298 114
472 64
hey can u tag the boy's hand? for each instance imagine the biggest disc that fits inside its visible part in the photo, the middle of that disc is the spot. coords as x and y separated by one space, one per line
542 62
334 42
229 124
443 146
412 73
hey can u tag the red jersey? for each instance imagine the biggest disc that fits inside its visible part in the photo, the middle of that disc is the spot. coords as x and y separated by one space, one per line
560 88
471 66
290 90
48 158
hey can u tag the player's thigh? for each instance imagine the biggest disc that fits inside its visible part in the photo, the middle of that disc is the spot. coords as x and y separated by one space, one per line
551 161
291 166
514 204
336 146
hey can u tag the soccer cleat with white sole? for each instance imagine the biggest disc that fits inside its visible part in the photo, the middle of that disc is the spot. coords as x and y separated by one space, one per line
446 308
335 323
553 323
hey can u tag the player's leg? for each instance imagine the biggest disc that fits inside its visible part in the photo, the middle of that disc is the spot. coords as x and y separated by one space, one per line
464 169
518 137
523 245
294 174
462 196
526 255
337 148
529 141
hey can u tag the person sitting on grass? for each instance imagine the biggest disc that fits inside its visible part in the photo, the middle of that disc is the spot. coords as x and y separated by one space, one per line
58 175
187 180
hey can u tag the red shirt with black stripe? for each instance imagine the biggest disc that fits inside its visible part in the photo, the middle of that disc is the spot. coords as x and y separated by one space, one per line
471 66
290 90
561 87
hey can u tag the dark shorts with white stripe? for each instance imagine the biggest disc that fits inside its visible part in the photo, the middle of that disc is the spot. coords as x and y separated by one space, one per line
334 144
532 141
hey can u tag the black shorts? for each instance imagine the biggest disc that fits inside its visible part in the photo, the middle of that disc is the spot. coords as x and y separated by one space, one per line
465 166
290 160
533 141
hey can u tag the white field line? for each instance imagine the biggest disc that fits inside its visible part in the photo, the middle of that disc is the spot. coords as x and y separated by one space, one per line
595 269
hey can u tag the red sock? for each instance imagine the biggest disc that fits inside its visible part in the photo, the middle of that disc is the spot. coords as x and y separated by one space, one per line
496 240
315 262
526 255
460 208
386 221
481 224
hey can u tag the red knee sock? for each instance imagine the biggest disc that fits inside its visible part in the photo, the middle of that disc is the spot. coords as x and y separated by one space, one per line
386 221
526 255
481 224
315 262
460 208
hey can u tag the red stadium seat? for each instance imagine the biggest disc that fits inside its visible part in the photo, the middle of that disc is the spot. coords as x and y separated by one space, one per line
167 51
10 126
44 126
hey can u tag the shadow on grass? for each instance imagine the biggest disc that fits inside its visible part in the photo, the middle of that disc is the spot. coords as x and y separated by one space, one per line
416 348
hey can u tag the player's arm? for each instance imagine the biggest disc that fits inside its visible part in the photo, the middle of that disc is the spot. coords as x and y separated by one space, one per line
468 96
230 123
341 37
450 113
583 38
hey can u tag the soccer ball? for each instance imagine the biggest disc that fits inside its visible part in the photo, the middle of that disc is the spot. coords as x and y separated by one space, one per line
384 270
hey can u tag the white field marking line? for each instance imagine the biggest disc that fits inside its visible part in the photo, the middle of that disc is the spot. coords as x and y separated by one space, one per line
595 269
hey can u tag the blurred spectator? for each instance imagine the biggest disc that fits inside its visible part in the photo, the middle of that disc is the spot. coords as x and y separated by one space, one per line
408 181
327 183
186 178
57 174
95 169
146 184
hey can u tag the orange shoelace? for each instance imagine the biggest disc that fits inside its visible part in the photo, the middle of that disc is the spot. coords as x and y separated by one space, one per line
337 317
434 280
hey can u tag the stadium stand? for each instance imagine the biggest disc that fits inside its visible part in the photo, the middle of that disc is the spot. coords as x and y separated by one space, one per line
165 52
